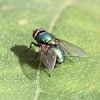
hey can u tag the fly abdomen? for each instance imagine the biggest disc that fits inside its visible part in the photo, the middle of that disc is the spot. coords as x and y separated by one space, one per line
60 60
60 55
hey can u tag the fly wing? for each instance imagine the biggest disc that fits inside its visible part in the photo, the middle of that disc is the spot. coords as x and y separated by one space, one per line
70 48
48 56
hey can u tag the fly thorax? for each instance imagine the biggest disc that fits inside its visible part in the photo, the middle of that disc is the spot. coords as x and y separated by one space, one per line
45 37
52 41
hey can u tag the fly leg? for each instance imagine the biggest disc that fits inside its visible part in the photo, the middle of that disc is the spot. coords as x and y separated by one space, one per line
36 54
49 73
35 58
34 44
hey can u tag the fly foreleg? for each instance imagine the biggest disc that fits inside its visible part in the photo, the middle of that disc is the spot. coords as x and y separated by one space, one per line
33 44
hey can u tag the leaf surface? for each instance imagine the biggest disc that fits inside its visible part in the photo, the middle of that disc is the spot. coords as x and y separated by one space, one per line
77 22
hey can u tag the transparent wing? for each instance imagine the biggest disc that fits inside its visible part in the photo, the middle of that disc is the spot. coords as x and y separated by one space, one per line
70 48
48 56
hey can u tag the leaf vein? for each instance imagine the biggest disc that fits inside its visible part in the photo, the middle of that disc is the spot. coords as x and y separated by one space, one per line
66 4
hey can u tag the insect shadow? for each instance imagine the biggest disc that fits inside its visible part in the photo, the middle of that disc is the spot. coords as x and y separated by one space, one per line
27 64
26 58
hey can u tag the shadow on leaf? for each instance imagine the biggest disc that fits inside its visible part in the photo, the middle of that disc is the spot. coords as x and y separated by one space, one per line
25 58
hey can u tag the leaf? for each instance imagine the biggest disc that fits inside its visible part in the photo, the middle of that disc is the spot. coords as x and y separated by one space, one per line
77 22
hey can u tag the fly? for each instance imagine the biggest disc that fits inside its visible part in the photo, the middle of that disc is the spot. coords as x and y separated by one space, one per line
52 49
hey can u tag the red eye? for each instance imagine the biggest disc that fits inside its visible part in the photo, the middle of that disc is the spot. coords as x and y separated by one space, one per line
36 31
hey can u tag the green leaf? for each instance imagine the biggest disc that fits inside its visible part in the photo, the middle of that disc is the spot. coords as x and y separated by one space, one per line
77 22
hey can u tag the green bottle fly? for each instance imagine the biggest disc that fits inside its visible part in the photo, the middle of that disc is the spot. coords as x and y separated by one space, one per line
52 49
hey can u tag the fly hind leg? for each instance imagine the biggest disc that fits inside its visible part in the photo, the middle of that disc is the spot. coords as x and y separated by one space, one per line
35 58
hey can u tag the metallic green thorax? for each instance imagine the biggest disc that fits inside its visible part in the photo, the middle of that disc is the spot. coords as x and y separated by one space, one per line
45 37
60 54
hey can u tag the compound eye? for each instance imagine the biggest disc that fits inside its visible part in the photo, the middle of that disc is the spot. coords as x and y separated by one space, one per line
35 32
